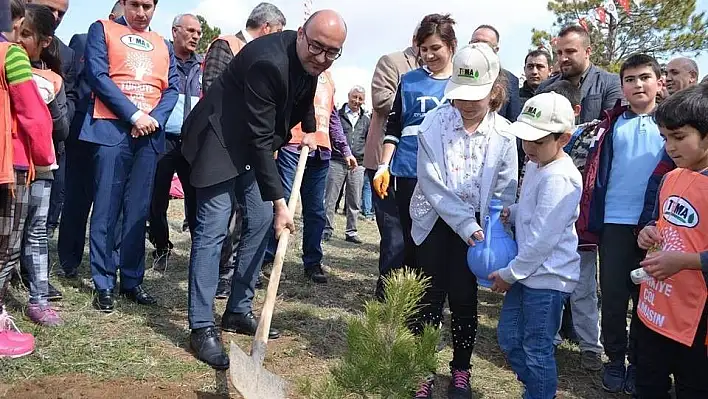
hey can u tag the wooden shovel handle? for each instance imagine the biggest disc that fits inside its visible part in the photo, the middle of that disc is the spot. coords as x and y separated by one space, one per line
261 339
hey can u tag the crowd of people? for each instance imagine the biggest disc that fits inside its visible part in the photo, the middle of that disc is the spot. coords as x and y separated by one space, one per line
588 165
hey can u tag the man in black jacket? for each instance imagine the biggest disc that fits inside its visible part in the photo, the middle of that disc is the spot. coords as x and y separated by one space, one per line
229 140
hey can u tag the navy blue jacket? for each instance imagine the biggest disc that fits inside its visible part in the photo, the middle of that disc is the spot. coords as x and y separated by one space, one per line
512 107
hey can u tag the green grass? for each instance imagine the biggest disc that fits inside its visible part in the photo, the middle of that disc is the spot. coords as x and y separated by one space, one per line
143 350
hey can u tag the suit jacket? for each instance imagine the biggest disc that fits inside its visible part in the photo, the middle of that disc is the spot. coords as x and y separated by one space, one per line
81 87
68 69
383 91
247 114
512 107
600 91
113 132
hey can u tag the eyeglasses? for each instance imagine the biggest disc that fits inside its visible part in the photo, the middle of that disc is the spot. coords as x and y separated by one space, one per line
317 49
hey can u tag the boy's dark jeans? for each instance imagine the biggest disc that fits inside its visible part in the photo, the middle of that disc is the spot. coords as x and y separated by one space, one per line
658 357
619 255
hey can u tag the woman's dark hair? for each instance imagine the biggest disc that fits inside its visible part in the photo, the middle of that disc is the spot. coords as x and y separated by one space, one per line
17 9
40 20
439 24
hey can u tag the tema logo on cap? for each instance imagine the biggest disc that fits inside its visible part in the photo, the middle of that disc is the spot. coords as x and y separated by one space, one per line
532 112
137 43
680 212
468 73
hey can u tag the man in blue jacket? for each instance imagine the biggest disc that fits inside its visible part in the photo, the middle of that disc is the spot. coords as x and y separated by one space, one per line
133 77
79 175
186 33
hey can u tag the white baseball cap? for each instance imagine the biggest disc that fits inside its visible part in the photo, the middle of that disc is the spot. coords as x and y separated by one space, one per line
475 67
542 115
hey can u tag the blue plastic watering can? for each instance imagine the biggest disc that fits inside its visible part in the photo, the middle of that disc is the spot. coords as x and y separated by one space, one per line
495 251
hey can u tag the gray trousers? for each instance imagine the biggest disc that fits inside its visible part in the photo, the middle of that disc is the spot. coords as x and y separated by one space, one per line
338 174
583 305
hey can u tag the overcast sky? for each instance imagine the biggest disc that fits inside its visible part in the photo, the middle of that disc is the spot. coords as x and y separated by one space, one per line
376 27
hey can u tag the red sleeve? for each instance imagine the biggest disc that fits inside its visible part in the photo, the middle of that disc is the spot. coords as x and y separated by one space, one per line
34 123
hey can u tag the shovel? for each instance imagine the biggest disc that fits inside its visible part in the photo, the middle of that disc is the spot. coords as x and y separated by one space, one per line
248 375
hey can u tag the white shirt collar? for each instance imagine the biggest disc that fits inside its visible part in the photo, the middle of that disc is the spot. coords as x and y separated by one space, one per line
483 127
247 36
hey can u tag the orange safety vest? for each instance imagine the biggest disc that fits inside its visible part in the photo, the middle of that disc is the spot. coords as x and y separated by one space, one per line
8 124
235 44
673 307
138 63
324 105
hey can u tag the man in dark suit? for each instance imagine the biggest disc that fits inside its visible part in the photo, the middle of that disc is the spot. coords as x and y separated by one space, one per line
79 175
600 89
133 77
512 107
229 140
68 69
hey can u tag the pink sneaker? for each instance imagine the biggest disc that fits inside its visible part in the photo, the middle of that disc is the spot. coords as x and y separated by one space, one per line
8 324
14 345
44 315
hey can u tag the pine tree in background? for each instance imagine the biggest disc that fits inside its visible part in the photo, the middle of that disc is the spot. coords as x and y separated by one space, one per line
383 358
660 28
208 35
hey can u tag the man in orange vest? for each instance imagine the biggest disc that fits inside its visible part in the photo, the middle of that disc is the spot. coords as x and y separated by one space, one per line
329 134
672 337
264 19
134 82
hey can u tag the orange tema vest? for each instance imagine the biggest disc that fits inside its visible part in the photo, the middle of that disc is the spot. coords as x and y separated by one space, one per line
324 104
138 63
235 44
8 124
673 307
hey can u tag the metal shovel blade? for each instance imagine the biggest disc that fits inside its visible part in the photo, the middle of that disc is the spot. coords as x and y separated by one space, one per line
251 379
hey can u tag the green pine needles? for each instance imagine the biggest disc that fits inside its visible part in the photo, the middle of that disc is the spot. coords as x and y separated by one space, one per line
383 358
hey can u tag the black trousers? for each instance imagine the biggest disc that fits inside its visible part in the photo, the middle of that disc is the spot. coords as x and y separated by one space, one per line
403 187
619 255
170 162
659 357
449 278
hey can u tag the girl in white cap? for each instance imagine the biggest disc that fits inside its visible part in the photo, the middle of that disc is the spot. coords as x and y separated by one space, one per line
464 161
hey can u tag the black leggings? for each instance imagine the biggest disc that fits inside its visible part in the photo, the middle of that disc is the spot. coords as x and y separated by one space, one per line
443 258
404 186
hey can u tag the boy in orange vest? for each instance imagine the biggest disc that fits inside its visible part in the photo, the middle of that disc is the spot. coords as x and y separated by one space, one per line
671 337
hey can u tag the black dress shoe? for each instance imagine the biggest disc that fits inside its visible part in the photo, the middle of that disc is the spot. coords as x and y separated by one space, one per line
139 296
244 323
315 274
353 239
71 274
207 345
326 236
53 294
223 290
103 300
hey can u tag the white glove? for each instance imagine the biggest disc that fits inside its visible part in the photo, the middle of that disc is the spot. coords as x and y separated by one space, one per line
46 88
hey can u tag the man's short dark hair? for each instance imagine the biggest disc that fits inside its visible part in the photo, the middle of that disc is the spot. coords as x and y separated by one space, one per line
578 30
688 107
640 60
490 27
539 53
566 89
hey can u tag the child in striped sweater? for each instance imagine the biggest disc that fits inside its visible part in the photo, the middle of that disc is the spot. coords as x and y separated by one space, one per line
25 148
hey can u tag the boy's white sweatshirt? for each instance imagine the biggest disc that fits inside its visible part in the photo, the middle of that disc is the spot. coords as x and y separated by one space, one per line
545 219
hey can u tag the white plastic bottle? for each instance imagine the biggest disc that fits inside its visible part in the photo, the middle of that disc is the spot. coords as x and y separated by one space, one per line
639 276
